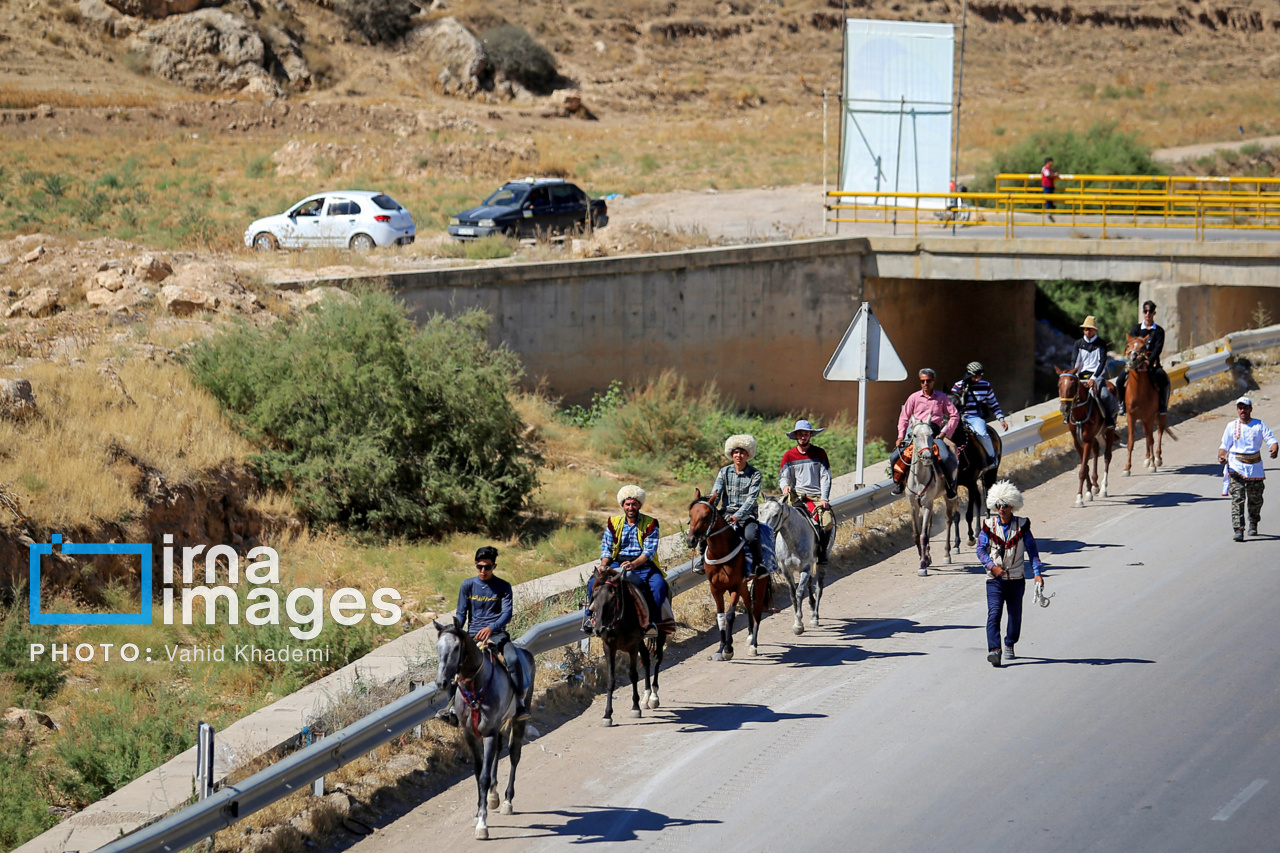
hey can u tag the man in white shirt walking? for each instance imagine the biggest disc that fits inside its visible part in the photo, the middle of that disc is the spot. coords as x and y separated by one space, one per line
1241 452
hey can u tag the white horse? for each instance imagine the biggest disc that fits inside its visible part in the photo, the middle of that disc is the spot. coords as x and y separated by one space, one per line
924 486
796 548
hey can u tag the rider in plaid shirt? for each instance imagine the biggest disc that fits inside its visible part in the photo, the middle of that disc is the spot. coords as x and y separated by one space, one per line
737 493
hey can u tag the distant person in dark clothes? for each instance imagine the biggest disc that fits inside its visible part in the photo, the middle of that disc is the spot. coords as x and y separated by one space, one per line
1154 334
485 604
1048 177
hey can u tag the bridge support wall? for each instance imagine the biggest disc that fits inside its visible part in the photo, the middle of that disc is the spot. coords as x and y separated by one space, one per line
1194 314
760 321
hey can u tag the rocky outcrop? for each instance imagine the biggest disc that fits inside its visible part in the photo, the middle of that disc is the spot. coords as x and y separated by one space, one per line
195 288
41 302
449 46
208 51
159 8
17 400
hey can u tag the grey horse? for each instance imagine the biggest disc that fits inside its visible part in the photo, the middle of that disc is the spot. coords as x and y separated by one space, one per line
486 705
796 547
925 485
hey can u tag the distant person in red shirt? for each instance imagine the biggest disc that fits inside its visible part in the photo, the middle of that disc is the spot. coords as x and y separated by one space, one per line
1047 178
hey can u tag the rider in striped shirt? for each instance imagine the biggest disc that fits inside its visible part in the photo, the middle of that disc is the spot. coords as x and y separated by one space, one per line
977 400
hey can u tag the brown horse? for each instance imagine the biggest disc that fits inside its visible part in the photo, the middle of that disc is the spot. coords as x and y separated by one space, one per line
1142 405
725 564
1082 414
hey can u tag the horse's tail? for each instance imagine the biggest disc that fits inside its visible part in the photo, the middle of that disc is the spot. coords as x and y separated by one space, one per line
1164 426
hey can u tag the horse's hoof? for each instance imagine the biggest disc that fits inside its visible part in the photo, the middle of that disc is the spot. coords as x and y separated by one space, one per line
1159 461
797 629
924 573
728 655
492 800
644 698
972 541
1088 494
1146 463
754 651
654 704
635 713
1103 493
718 656
948 559
813 623
1126 472
507 809
606 722
1079 501
482 833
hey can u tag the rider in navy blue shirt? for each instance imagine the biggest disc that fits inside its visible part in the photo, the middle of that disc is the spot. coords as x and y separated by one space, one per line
484 609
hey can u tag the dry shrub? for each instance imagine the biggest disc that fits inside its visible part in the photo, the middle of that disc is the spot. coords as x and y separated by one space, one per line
63 466
16 98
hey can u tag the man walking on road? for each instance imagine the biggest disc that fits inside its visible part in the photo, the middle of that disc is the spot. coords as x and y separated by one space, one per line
1003 545
1241 452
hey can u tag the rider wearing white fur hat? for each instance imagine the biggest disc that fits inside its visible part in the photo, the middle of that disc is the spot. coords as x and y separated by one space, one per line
1003 545
630 543
737 493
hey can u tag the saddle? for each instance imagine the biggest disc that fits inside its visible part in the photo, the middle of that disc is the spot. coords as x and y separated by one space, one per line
642 596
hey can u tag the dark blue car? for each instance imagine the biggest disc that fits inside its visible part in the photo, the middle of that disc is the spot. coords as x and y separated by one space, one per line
530 208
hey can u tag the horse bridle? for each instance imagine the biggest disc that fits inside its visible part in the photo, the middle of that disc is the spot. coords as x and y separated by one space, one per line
614 583
705 537
1075 402
933 471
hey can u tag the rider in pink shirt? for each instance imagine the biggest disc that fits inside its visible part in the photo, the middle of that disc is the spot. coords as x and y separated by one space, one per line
936 408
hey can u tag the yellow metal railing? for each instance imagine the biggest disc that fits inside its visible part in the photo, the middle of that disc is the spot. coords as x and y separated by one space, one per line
1013 208
1141 184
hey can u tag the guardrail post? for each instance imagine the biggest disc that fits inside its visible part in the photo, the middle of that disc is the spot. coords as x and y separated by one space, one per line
317 787
204 760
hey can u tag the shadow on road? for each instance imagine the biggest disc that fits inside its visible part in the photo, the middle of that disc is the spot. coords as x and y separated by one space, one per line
879 629
723 718
1160 499
1192 469
1089 661
1067 546
595 824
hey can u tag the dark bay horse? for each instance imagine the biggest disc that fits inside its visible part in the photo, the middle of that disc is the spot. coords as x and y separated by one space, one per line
1082 414
617 624
974 481
1142 405
725 562
486 706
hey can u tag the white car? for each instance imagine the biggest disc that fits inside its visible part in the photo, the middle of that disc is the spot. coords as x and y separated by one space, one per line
356 219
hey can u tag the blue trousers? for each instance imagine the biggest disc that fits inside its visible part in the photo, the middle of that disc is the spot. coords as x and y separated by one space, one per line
979 427
645 574
1002 594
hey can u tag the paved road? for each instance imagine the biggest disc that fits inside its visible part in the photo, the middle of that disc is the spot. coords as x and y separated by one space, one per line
1142 714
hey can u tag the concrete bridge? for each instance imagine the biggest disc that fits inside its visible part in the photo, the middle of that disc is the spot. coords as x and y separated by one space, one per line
762 320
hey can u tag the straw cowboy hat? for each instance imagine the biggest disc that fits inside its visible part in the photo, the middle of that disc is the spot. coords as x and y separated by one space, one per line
1090 322
631 492
805 425
746 442
1004 493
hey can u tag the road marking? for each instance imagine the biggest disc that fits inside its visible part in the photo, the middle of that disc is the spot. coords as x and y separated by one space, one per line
1240 799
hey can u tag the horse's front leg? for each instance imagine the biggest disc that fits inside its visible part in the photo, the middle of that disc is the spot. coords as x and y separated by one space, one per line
493 755
656 657
798 591
609 654
731 613
1108 445
815 594
643 649
1161 426
926 522
1130 440
635 689
1152 457
721 622
482 765
755 612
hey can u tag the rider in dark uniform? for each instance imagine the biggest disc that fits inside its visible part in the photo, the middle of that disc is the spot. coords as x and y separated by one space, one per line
484 609
1154 334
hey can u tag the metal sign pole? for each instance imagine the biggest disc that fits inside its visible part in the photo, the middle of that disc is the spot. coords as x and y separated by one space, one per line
825 210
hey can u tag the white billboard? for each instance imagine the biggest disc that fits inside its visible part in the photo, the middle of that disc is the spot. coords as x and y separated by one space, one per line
898 107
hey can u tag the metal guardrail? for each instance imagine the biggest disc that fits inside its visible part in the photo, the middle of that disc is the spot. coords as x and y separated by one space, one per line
1021 208
297 771
1161 184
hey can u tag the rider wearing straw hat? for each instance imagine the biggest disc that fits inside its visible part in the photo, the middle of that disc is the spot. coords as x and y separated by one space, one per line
737 493
1003 546
806 478
1090 367
630 543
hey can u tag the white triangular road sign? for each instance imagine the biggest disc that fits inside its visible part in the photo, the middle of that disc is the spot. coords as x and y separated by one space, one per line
865 353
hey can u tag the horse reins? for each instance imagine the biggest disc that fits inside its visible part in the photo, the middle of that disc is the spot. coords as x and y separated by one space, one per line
933 472
475 698
707 536
1077 403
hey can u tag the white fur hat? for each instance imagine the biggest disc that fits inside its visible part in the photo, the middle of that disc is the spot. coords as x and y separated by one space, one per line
1004 493
746 442
631 492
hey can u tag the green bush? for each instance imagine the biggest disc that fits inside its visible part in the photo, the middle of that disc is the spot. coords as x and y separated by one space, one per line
378 21
514 53
42 677
24 814
1101 150
374 423
1064 303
